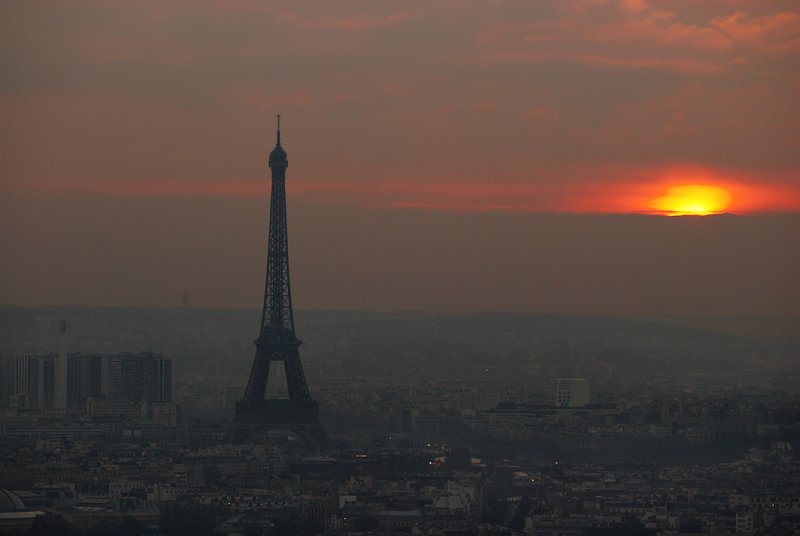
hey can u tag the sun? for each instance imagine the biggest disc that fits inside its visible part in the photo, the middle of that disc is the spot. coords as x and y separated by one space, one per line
693 200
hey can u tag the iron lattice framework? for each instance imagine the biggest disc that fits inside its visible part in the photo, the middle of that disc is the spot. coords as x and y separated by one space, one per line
276 340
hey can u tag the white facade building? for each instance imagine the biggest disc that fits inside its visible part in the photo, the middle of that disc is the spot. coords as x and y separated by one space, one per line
571 393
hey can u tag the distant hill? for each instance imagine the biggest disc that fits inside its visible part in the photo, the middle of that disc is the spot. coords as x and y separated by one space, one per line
343 344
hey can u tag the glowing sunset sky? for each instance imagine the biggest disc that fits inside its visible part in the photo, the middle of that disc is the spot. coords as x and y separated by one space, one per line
453 107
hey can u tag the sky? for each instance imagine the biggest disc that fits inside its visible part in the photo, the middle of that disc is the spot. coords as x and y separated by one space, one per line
518 149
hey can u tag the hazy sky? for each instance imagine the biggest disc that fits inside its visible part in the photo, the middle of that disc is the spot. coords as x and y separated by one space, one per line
425 141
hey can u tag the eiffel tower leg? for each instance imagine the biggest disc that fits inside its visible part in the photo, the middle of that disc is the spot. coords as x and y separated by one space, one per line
295 378
259 376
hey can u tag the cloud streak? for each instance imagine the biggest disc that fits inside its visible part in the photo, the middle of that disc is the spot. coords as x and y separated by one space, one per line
611 190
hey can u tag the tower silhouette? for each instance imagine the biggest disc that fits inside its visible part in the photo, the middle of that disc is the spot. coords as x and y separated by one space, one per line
276 340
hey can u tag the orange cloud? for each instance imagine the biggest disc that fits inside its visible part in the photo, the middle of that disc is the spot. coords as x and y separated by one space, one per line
775 32
347 23
686 65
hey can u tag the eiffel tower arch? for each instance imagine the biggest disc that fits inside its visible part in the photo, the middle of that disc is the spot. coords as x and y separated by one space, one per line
256 415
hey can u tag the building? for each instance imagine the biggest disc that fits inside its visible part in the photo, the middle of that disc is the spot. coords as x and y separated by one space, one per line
84 379
35 382
145 377
571 393
60 402
156 376
6 382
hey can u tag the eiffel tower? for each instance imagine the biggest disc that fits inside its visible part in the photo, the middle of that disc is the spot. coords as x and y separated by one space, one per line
255 415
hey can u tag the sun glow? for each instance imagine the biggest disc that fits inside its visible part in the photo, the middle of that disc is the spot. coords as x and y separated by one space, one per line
693 200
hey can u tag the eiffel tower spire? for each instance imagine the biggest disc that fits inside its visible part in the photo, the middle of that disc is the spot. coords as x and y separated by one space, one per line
276 339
